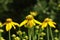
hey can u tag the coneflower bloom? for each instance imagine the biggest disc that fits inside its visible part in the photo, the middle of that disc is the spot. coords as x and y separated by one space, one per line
49 22
9 24
30 21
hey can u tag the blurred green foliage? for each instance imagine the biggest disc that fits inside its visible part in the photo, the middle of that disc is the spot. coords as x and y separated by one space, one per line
3 5
48 8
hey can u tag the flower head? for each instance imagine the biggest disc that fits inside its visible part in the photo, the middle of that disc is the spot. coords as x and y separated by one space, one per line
49 22
9 24
30 21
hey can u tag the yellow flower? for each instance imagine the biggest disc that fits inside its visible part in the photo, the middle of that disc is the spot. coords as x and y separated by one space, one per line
49 22
33 13
30 21
9 24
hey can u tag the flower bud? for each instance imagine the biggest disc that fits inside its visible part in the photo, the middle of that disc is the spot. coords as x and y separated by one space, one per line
17 38
56 31
13 35
1 30
19 32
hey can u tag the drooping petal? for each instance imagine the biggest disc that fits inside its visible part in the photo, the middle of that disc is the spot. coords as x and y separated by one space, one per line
14 23
54 23
37 22
51 24
44 24
14 26
23 23
1 24
8 26
31 23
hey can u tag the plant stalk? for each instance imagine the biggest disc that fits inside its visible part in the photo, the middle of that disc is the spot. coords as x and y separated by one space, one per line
0 35
29 33
9 36
47 33
51 33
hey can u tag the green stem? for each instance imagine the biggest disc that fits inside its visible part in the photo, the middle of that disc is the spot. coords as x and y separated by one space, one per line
13 38
19 34
33 33
47 33
9 36
59 36
35 36
0 35
51 33
38 36
20 37
29 33
19 28
40 30
56 35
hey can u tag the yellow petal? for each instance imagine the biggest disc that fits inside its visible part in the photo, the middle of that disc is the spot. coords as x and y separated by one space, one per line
1 24
44 24
31 23
8 26
14 26
54 23
23 23
14 23
51 24
37 22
